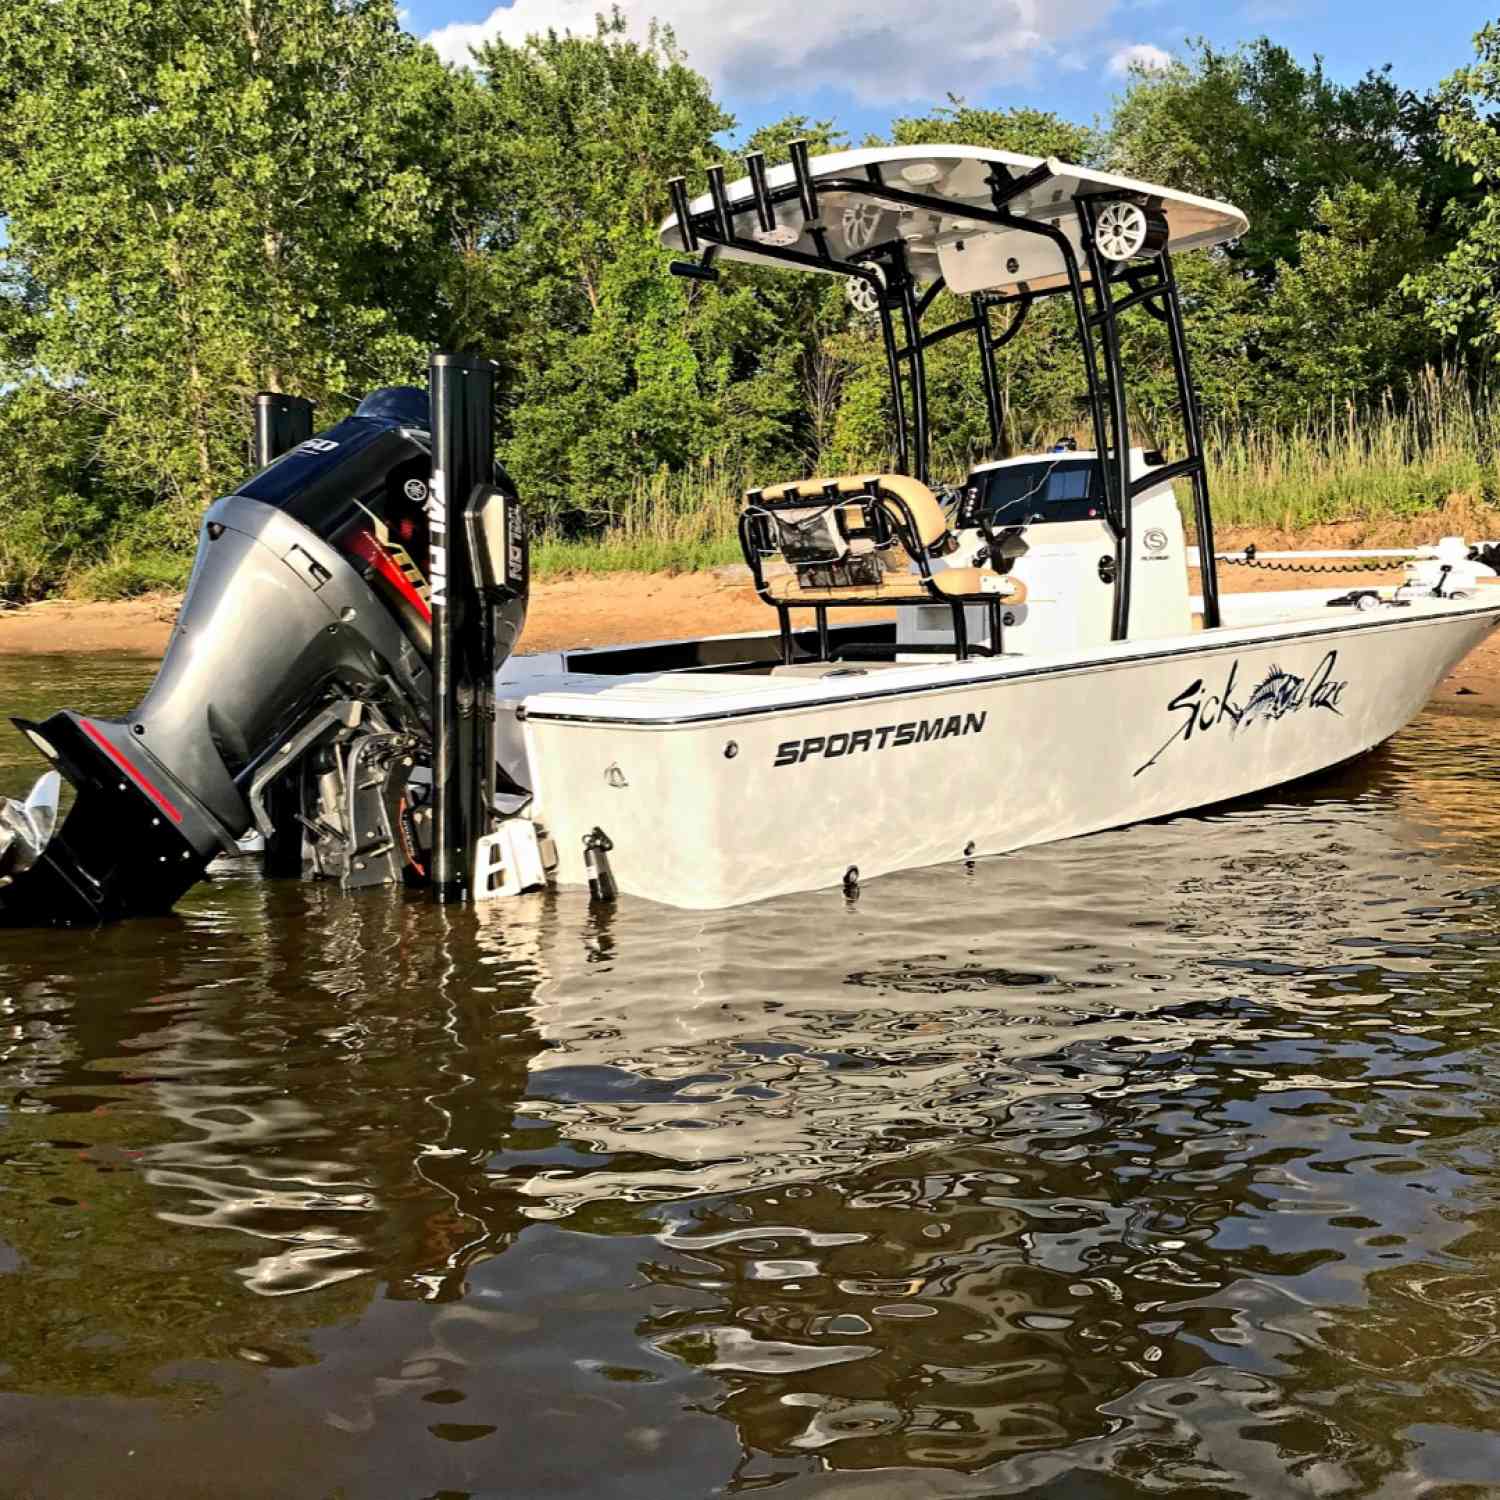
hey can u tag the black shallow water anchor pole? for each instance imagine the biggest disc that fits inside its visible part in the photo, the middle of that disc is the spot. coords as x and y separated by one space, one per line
463 455
281 422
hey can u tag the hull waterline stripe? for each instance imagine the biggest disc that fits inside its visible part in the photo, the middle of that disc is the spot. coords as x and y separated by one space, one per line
1000 679
136 776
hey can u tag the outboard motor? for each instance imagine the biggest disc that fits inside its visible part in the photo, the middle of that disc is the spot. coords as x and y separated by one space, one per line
295 695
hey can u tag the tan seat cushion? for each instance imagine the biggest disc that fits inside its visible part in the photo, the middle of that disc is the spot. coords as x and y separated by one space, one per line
903 588
932 524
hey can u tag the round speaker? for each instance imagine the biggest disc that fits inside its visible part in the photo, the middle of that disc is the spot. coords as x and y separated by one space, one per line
862 296
1126 231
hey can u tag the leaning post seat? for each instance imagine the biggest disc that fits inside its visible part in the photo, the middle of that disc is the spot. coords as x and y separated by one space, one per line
863 541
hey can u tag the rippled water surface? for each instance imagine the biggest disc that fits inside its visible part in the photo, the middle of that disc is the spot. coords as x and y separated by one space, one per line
1159 1162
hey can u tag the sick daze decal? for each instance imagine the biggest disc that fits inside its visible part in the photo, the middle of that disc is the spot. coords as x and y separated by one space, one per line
887 736
1276 696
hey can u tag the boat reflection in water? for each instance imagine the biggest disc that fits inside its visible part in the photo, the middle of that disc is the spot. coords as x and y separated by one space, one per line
951 1207
1164 1157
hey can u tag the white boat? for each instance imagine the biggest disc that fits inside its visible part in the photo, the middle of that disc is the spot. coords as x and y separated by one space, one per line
1092 690
947 672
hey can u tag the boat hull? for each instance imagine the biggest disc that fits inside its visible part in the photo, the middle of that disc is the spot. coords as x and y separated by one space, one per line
725 806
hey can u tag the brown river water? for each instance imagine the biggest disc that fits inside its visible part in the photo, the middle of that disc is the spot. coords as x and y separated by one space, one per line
1162 1162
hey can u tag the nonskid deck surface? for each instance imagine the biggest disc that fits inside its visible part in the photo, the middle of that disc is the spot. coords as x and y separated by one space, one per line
559 685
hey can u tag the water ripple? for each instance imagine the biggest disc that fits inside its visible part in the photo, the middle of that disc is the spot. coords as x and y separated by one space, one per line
1161 1162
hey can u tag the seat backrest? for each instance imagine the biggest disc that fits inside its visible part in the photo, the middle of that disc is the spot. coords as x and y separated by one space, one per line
911 509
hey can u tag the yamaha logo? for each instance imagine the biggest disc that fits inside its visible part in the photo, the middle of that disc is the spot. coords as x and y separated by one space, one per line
1155 540
415 491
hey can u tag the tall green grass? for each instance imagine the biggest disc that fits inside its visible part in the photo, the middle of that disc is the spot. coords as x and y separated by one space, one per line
671 522
124 574
1392 461
1395 460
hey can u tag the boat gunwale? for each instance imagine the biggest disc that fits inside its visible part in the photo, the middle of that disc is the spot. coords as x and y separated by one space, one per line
1002 672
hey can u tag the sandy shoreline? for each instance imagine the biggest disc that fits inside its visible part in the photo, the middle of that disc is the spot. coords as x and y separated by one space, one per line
583 610
600 609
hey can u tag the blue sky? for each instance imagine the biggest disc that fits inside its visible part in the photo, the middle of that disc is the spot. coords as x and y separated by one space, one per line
861 62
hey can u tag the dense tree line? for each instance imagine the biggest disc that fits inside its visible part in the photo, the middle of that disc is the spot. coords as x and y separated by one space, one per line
207 198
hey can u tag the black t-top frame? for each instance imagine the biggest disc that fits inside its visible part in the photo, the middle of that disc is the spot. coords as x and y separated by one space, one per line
1112 288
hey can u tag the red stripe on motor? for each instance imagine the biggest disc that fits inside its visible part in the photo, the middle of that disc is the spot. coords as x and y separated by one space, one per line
151 791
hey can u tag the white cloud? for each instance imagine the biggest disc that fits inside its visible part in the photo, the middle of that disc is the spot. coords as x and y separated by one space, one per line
880 51
1138 56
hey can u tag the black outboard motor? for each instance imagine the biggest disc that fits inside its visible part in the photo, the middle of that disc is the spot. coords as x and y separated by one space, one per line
295 695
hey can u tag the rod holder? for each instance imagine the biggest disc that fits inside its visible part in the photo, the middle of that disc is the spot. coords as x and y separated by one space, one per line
722 216
677 187
693 270
805 189
765 214
281 422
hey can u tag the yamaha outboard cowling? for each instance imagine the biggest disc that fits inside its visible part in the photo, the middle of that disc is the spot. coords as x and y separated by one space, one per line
294 696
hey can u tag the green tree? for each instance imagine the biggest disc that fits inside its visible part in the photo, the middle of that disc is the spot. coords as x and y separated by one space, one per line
1462 292
602 379
1272 135
209 197
786 374
204 198
1341 323
1225 322
1344 187
1030 132
53 496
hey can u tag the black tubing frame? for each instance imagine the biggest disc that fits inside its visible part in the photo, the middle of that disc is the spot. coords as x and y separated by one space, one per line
898 299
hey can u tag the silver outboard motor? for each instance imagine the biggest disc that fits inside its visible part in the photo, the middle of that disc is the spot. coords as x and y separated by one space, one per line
295 695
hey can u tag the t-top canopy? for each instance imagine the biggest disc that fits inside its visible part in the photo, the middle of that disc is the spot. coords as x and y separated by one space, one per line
971 255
